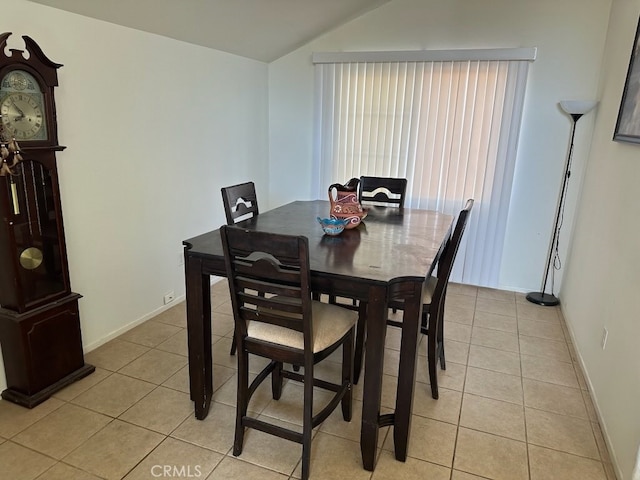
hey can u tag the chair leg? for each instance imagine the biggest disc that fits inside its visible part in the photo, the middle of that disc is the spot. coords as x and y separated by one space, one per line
433 375
360 338
440 336
432 358
443 365
306 457
307 419
242 401
232 351
347 376
276 381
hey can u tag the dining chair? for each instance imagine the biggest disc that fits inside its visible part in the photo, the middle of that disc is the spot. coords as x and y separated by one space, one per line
382 191
434 292
240 202
276 318
379 191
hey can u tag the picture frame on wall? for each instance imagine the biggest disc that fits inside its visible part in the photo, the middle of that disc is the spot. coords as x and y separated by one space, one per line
628 123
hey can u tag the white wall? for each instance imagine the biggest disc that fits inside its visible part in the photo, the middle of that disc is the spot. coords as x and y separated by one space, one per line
603 273
153 128
570 37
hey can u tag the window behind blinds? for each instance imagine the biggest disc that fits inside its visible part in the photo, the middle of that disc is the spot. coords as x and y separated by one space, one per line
449 126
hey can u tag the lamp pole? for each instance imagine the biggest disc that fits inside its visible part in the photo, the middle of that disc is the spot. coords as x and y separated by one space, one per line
575 110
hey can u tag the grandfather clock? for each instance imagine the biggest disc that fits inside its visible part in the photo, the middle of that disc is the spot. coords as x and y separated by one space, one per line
39 319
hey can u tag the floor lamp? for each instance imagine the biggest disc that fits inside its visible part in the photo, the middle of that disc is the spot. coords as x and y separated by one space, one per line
575 109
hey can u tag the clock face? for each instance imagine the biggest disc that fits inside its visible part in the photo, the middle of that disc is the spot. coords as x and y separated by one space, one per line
21 116
22 107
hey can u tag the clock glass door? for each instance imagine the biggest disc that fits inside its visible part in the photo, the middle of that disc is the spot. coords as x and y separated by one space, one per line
41 266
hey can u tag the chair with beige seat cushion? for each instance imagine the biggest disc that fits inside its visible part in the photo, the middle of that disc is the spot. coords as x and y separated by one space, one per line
434 292
240 203
276 318
381 192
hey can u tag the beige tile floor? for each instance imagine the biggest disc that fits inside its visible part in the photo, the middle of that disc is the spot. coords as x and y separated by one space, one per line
513 405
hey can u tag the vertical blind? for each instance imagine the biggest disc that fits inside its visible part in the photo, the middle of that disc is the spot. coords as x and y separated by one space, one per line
450 127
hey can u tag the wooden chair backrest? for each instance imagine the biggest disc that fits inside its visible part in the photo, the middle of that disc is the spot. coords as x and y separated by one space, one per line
445 265
269 279
383 191
240 202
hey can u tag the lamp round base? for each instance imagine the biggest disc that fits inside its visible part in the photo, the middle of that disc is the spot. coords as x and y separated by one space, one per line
541 298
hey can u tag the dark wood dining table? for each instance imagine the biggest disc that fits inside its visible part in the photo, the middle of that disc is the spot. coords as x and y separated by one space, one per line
387 256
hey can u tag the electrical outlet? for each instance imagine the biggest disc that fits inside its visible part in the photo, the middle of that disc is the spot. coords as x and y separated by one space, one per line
605 335
168 298
181 258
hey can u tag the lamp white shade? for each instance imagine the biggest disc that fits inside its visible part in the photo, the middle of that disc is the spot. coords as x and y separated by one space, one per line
578 107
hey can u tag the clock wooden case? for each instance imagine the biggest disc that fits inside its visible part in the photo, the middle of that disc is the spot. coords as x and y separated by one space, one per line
39 317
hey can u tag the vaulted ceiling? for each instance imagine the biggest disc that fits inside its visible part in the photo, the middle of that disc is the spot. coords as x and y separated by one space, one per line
259 29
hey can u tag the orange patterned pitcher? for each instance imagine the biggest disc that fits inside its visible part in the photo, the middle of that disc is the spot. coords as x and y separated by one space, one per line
345 204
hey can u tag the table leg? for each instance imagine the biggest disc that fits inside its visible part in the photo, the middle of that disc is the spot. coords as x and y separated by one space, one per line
407 371
374 361
198 293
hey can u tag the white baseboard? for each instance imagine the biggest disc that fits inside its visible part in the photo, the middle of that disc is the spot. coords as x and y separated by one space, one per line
594 401
116 333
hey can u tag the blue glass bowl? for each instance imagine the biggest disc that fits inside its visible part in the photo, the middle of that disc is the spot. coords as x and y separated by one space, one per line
332 226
